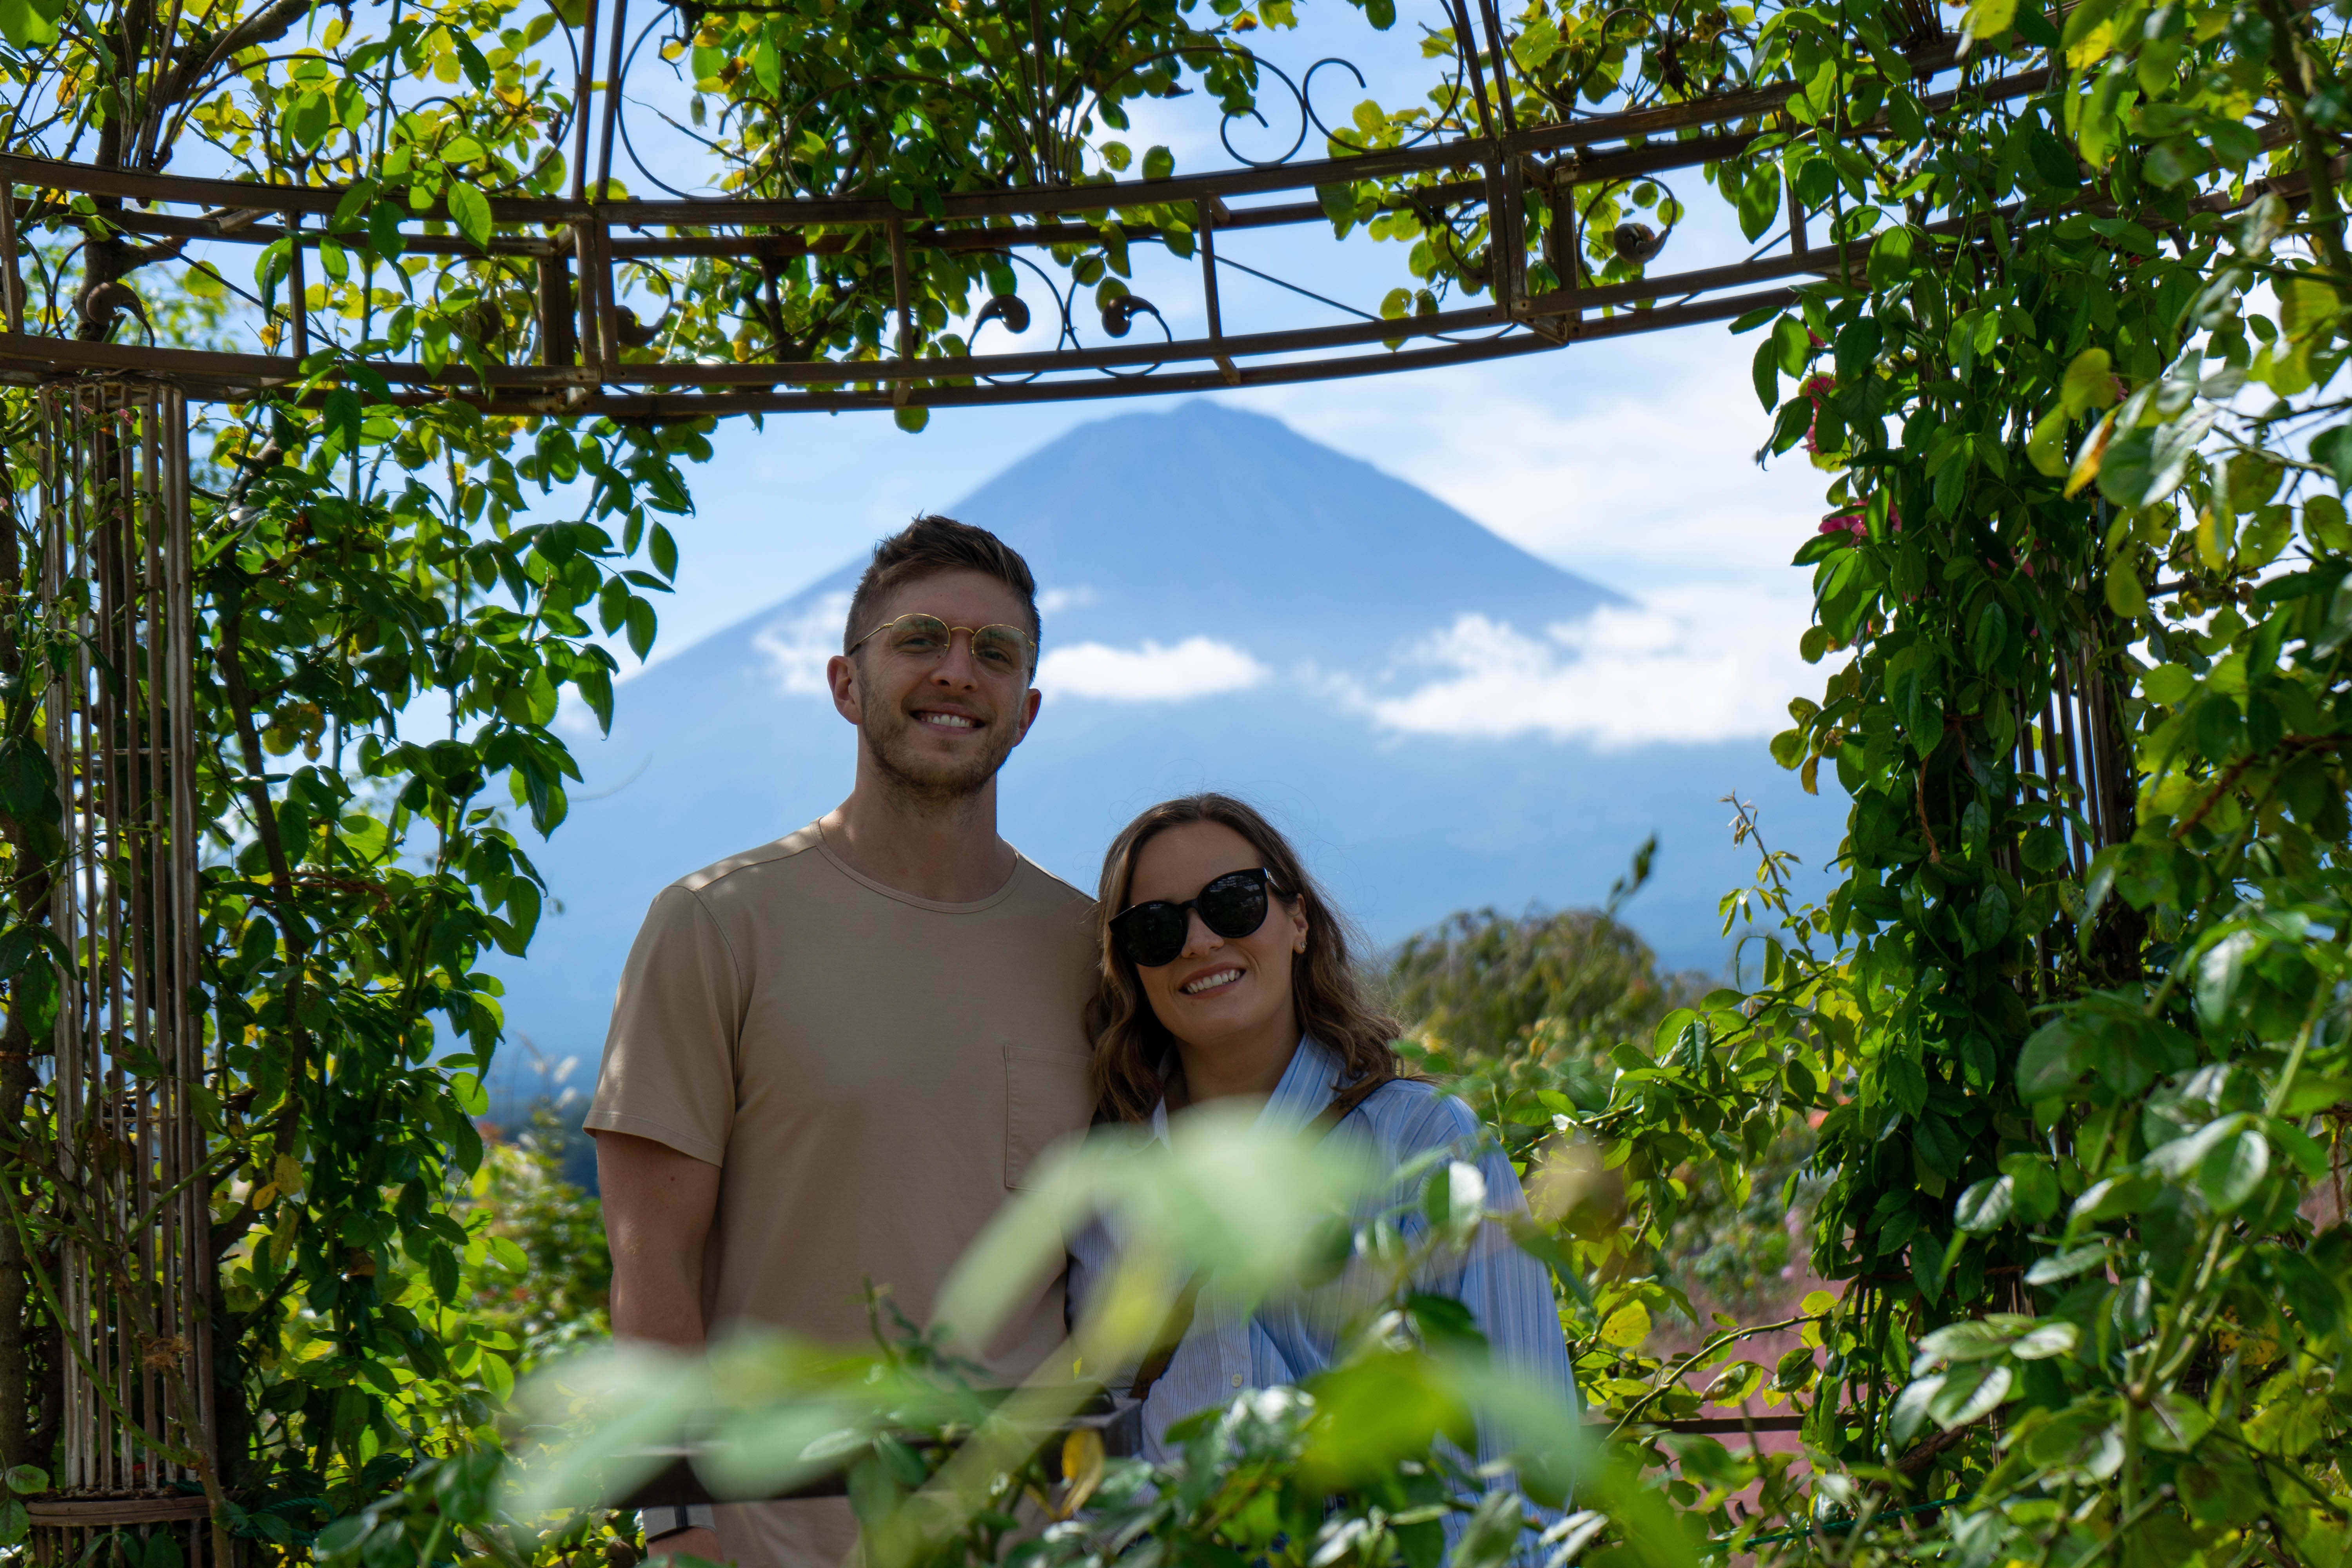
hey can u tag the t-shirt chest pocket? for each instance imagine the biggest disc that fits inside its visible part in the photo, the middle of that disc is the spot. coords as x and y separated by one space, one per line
1046 1099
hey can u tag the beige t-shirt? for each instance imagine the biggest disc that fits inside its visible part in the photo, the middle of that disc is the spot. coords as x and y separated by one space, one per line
873 1073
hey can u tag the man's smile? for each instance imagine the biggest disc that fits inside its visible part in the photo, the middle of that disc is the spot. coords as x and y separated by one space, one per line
942 719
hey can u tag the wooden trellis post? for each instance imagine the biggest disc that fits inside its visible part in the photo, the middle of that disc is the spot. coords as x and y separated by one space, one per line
130 1191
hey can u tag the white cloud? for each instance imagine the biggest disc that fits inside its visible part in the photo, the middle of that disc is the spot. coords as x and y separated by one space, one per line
796 647
1693 665
1628 460
1197 667
1053 601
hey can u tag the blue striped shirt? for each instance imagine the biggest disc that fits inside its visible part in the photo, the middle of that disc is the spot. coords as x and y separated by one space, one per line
1289 1339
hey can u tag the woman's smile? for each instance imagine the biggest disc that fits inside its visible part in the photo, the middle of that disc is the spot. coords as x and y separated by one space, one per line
1216 980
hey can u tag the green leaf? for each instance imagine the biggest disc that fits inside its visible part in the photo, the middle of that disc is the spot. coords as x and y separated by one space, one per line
2168 684
1951 1407
470 211
2050 1337
2090 383
1765 368
1159 164
2220 969
1795 344
310 120
466 1091
2066 1265
2307 304
2123 1195
1972 1339
29 24
2035 1186
2233 1172
1910 1412
1991 917
1991 632
2043 849
1759 201
1890 253
26 1480
1985 1206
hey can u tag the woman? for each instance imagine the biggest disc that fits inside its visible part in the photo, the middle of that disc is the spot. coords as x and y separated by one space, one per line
1226 974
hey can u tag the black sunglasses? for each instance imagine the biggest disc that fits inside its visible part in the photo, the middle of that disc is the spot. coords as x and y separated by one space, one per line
1232 905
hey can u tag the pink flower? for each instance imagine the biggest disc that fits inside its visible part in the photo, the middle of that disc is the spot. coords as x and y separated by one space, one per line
1857 523
1814 389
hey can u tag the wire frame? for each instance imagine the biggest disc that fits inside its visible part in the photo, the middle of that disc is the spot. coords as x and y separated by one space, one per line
117 597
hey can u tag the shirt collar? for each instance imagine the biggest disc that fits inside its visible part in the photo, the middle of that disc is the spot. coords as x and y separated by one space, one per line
1298 1100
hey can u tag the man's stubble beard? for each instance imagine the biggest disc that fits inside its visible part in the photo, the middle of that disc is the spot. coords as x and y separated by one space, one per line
933 786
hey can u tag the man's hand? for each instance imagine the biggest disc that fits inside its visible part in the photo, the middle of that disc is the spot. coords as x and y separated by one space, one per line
658 1207
695 1543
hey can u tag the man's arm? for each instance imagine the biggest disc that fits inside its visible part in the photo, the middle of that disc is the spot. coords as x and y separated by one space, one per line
658 1207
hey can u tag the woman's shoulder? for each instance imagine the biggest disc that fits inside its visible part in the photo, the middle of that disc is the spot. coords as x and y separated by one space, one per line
1418 1115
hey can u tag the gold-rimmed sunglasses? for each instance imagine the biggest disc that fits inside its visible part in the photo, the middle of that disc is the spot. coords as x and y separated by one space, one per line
999 650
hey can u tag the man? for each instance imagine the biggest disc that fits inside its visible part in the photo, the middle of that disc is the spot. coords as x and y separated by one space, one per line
833 1056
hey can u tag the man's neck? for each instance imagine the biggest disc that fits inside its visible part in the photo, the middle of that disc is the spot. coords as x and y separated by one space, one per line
946 852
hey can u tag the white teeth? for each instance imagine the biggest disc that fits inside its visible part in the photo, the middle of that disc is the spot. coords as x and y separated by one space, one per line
949 721
1210 982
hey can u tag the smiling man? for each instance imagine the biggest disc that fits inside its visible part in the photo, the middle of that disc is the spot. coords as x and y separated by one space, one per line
833 1057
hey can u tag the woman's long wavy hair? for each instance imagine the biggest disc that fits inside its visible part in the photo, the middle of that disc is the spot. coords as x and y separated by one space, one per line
1131 1045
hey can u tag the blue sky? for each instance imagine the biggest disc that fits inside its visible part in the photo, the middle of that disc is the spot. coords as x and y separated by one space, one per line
1629 461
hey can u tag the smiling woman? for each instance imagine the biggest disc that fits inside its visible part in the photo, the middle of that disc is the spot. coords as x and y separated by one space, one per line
1225 976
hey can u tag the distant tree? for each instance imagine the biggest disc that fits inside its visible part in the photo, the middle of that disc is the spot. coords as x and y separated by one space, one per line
1476 982
538 1268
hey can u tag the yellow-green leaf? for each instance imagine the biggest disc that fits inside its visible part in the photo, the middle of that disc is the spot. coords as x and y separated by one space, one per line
2216 530
1628 1326
2307 304
2046 447
2126 597
2168 684
2090 383
2086 461
1991 18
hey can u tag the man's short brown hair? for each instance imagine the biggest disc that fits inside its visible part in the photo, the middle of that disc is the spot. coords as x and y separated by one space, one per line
926 547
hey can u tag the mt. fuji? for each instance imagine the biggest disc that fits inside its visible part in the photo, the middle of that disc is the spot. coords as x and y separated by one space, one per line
1442 720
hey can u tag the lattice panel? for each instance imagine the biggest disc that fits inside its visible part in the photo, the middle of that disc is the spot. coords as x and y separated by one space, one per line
116 598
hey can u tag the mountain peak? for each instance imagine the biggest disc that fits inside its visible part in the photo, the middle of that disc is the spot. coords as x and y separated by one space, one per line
1206 518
